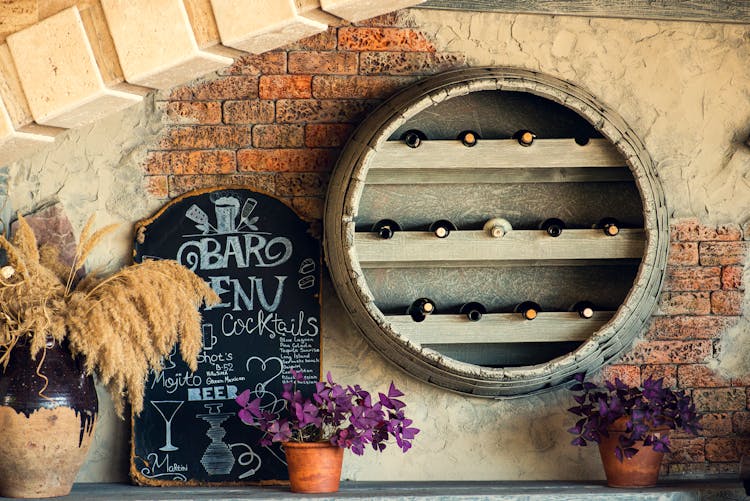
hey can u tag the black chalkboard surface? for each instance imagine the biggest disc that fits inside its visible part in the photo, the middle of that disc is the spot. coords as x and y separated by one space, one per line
264 263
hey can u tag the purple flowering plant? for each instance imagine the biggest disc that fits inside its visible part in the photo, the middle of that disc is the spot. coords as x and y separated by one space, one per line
344 416
648 409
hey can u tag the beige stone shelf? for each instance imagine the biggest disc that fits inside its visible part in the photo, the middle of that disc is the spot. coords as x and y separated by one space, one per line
476 248
258 26
15 144
356 10
64 86
155 43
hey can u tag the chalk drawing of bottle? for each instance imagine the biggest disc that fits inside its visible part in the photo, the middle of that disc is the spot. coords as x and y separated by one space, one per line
167 408
217 458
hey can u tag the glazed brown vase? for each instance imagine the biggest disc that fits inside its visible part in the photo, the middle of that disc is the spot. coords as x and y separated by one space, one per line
314 467
642 470
47 416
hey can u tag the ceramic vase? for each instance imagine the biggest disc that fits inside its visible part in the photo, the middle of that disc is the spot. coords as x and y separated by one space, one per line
314 467
48 409
641 470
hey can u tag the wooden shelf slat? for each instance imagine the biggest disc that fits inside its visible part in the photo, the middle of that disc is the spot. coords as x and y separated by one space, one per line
465 248
497 154
442 175
496 328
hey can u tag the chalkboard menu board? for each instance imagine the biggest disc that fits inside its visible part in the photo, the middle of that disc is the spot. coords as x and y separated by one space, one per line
264 262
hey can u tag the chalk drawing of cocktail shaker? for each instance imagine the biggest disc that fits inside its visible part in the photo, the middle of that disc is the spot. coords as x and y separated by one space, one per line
217 458
200 218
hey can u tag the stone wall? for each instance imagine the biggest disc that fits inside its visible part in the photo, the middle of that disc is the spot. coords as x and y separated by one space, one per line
277 122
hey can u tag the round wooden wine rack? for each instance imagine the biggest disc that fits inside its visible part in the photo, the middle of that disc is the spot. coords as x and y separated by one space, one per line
585 164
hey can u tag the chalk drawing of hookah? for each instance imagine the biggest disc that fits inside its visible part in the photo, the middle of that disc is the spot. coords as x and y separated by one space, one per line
217 458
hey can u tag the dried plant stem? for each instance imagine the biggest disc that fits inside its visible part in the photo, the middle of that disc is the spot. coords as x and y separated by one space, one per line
7 349
123 326
45 378
25 241
84 248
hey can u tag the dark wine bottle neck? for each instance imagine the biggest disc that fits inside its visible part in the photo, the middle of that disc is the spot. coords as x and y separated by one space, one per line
386 232
473 311
413 139
553 226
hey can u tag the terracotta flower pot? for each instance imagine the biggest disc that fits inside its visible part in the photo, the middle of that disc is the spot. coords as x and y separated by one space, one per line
642 470
314 467
46 425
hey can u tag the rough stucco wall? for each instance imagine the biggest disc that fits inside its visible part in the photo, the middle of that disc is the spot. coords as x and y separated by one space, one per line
96 170
681 86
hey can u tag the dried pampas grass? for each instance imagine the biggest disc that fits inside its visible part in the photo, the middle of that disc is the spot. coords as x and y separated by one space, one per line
123 325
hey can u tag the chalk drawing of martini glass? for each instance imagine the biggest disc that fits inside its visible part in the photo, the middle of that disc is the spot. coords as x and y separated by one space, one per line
167 408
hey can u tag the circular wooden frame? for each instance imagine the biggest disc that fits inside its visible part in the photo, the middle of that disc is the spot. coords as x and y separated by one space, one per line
342 203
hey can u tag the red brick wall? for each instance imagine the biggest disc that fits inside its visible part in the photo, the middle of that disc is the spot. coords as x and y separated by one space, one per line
702 297
277 122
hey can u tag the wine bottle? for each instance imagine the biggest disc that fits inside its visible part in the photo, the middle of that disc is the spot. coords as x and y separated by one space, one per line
497 227
442 228
473 311
469 138
529 309
610 226
524 137
413 138
420 308
585 309
385 228
553 226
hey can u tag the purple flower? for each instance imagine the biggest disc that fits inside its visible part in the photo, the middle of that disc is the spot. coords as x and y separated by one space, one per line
578 441
344 416
243 398
306 414
250 410
647 409
390 401
280 430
